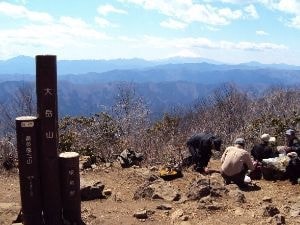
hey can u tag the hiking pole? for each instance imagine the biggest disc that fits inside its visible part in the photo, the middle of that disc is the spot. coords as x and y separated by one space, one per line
209 186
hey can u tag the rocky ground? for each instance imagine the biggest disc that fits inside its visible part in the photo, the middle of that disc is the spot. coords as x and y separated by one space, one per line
138 196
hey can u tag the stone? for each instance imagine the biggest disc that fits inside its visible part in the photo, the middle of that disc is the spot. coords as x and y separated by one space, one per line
238 211
85 162
142 214
198 190
206 199
108 164
267 199
238 196
153 168
285 208
213 206
279 219
157 190
118 197
184 218
177 214
107 192
164 207
203 187
152 178
269 210
91 192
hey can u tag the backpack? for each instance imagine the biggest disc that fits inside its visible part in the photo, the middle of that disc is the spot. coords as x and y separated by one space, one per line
293 170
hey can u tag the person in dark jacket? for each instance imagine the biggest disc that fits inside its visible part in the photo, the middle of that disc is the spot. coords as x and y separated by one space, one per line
200 150
293 143
293 168
263 150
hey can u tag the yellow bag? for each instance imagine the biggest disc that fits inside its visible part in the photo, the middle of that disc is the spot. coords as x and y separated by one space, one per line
169 173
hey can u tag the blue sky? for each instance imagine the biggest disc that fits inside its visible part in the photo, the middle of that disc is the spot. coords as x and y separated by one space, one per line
231 31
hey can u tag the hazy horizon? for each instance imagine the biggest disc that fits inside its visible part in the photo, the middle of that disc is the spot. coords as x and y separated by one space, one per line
228 31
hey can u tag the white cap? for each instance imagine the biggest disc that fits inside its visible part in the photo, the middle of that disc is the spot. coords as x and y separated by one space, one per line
272 139
265 137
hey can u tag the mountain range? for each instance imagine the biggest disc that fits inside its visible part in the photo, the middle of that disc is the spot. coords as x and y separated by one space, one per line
90 86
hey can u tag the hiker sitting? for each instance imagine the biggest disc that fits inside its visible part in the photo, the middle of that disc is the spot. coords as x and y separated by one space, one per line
263 150
200 151
292 142
235 163
293 168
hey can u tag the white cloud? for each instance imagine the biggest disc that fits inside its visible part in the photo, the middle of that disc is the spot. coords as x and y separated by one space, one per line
229 14
212 28
287 6
251 11
205 43
295 22
258 46
55 38
20 12
290 6
104 22
237 1
188 11
261 33
106 9
185 53
173 24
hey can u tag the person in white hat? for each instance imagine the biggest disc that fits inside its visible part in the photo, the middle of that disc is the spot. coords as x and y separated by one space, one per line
262 150
235 163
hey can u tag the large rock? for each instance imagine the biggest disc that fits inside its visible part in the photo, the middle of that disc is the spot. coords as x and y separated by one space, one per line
157 190
91 192
204 187
86 162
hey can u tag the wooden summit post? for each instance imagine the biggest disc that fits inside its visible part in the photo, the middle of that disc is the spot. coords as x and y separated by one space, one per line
70 187
46 88
29 176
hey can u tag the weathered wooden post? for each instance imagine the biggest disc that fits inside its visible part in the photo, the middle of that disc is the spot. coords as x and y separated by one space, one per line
29 176
70 187
46 88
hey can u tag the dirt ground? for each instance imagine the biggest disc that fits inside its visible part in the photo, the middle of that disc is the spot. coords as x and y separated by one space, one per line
120 207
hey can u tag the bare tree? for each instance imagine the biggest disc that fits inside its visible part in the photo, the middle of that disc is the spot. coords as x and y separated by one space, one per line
21 102
132 115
